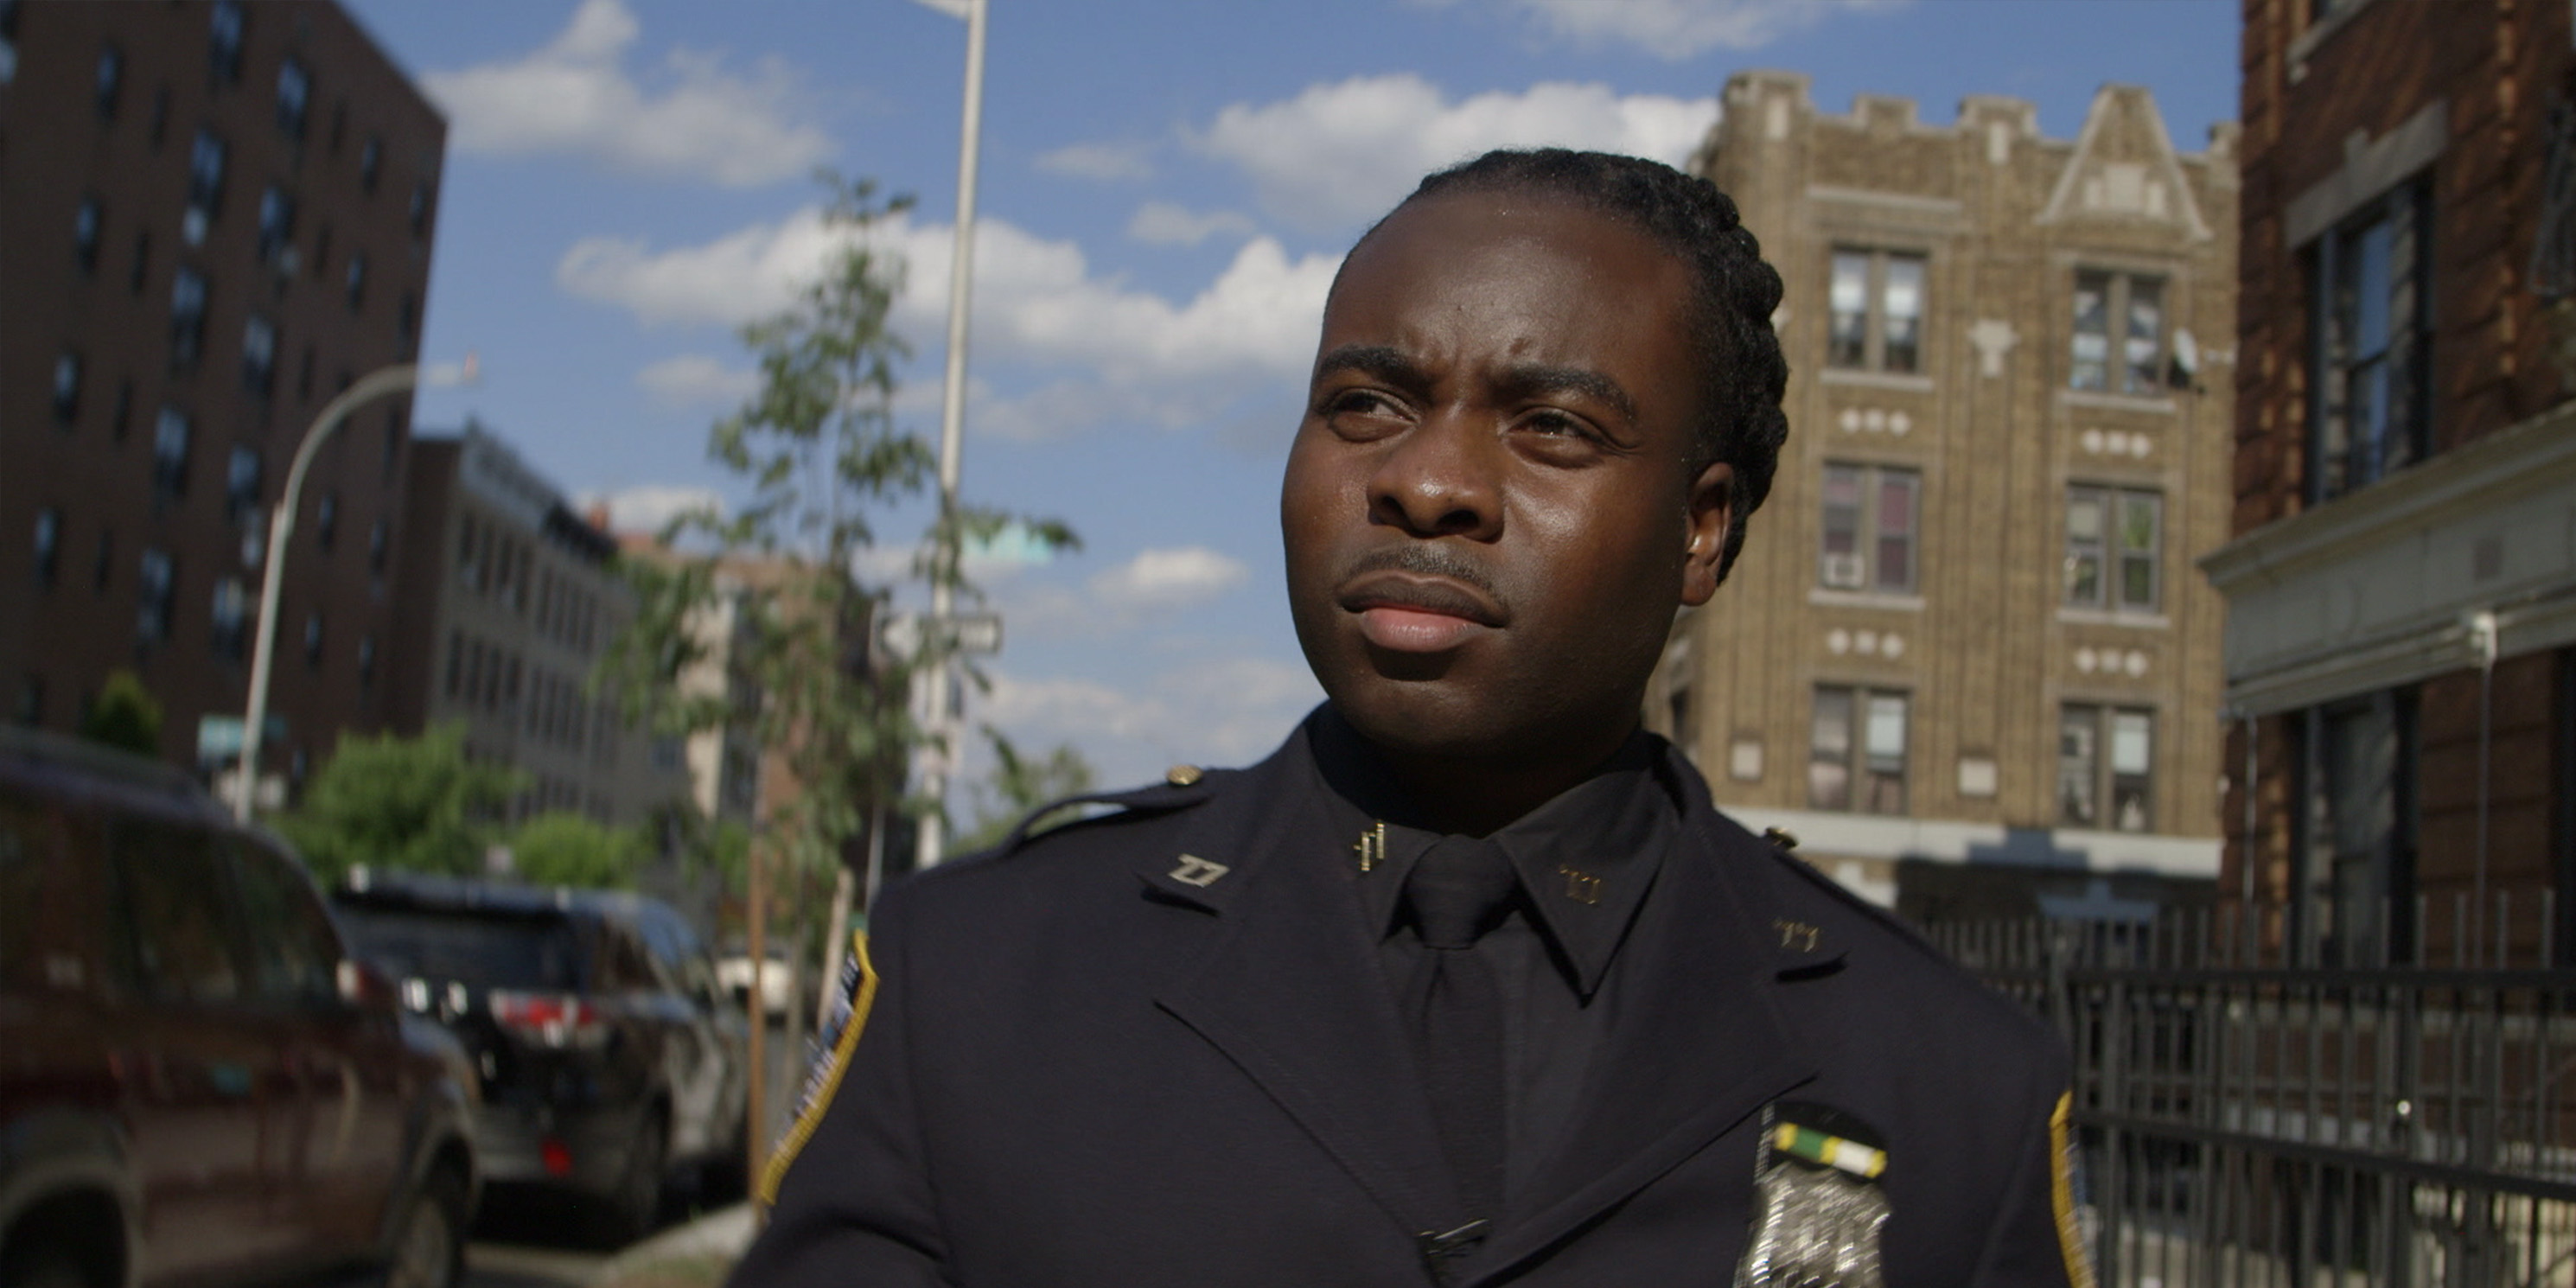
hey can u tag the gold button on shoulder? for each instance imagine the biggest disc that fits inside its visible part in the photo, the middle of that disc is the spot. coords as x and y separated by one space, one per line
1780 836
1183 775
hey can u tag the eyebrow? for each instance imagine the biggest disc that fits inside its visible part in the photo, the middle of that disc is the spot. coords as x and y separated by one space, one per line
1391 365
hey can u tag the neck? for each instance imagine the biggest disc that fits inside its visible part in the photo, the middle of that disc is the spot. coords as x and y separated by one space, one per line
1481 795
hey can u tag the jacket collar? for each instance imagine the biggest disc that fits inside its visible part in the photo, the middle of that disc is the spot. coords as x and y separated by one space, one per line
1285 981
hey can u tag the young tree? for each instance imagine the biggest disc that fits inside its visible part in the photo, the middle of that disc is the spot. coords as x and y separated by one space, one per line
758 620
125 715
412 803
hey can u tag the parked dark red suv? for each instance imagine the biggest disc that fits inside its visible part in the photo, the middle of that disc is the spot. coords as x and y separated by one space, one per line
198 1084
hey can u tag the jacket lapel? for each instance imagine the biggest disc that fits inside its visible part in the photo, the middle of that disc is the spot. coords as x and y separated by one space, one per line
1699 1046
1288 986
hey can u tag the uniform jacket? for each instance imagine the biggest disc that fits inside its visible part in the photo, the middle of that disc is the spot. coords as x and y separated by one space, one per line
1153 1049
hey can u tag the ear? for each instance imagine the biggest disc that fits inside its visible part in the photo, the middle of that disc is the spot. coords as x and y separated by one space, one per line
1706 521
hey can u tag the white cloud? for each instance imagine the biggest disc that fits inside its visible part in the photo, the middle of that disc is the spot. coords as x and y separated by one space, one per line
1674 30
1347 151
696 380
646 508
1168 579
575 96
1160 223
1036 300
1102 161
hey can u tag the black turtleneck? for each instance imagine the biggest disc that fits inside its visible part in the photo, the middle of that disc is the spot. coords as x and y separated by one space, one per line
1585 859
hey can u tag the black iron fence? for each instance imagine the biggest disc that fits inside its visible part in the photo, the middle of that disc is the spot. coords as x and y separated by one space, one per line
2259 1109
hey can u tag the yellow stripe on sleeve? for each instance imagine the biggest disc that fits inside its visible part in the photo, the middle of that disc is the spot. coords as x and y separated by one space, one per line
2061 1193
775 1172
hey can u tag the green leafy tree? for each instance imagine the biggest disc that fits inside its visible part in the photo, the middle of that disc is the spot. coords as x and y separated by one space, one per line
1021 783
758 620
125 715
410 803
568 849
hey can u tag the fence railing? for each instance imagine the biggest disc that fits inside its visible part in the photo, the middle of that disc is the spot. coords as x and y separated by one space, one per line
2251 1114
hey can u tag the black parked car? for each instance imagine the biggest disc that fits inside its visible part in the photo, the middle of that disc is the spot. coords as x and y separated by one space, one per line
198 1084
609 1056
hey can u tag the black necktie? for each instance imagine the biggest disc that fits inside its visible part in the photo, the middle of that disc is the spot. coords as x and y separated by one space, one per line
1459 889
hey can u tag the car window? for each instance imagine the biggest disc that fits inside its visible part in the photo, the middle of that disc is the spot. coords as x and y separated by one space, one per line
294 951
184 947
27 840
479 950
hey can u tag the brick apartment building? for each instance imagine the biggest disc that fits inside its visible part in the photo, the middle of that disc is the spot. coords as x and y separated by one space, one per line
2402 583
213 216
1968 662
508 600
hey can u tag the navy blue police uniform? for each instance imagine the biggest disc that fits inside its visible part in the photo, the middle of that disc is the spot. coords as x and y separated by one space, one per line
1157 1048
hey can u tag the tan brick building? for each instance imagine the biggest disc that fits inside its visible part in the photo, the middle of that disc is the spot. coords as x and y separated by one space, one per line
1966 658
213 217
2401 642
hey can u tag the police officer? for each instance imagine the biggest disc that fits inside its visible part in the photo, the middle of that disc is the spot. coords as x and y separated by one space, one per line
1468 982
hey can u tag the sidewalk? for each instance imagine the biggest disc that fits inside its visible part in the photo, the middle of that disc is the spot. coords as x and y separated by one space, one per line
698 1254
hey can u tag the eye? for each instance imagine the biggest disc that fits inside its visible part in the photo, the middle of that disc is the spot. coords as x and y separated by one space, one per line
1555 423
1362 412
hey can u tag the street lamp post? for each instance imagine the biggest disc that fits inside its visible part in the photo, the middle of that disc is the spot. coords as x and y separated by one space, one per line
281 526
952 431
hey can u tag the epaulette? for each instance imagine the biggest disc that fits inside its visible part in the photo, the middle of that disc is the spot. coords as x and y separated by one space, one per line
1182 787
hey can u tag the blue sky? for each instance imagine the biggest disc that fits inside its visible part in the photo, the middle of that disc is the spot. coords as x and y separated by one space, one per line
1166 188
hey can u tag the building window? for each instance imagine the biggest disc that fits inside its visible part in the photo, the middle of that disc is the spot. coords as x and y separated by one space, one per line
294 90
367 659
371 163
2113 540
232 609
379 544
326 521
2372 413
187 316
276 227
111 80
152 597
1856 750
1877 311
205 187
423 197
455 661
356 281
67 388
170 436
259 355
241 485
87 227
49 545
407 324
2124 779
224 39
1871 518
2360 828
2119 343
313 641
9 52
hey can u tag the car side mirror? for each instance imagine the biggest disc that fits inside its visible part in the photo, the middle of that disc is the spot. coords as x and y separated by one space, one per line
364 986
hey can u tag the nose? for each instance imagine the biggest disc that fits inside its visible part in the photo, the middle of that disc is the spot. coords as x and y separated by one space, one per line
1438 480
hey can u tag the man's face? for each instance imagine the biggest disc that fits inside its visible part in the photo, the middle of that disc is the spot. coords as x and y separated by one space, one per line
1488 511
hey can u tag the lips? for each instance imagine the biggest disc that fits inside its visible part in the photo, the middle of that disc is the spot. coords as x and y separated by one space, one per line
1409 613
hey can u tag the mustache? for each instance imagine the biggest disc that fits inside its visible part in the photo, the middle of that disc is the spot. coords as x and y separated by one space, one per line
1423 559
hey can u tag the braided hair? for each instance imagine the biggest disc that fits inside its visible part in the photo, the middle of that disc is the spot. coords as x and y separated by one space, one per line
1742 375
